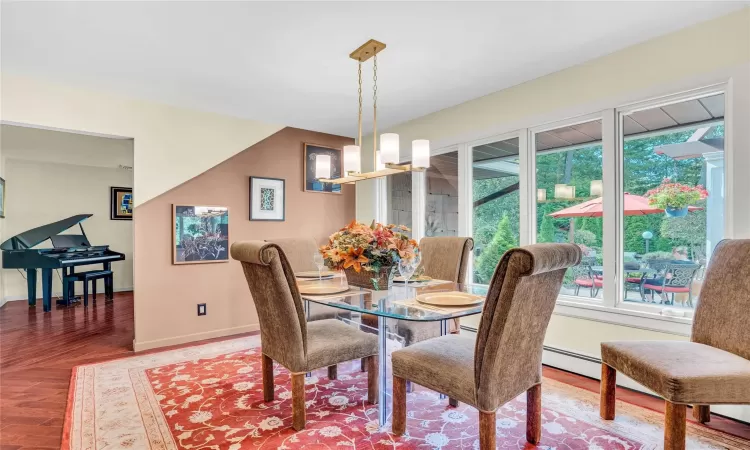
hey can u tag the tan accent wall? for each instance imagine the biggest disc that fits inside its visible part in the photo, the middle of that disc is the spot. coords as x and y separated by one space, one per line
167 295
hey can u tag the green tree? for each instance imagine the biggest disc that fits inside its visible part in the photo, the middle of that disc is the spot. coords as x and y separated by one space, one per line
547 230
503 241
689 231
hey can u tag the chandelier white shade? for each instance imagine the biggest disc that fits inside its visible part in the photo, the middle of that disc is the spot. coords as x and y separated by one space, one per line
541 195
322 166
389 148
420 153
379 164
597 188
352 161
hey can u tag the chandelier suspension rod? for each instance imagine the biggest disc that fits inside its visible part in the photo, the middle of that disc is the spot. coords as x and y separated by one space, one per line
375 110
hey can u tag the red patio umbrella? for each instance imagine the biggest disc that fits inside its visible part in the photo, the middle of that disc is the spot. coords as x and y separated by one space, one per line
634 205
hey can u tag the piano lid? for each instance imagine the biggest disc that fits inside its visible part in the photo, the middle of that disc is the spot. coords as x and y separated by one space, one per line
36 236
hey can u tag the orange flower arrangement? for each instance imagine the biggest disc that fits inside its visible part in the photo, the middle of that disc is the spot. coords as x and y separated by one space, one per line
362 247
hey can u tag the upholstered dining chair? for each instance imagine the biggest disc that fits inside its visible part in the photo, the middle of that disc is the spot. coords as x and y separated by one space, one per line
713 368
443 258
506 358
286 337
299 252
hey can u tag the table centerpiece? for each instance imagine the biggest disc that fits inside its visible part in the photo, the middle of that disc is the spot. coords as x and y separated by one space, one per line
369 254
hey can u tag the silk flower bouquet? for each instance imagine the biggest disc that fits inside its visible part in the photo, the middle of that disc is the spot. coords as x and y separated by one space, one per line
369 255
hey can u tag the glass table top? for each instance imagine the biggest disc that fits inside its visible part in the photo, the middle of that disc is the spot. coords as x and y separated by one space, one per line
399 302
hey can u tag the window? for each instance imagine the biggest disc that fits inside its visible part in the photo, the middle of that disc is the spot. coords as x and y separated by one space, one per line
569 200
495 205
441 196
400 199
672 201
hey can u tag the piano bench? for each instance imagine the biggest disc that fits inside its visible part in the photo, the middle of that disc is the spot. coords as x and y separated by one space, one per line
85 277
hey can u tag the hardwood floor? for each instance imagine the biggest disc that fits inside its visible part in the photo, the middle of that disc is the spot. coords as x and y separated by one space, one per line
38 351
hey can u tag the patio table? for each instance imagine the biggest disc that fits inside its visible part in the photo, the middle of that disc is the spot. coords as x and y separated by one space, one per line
397 303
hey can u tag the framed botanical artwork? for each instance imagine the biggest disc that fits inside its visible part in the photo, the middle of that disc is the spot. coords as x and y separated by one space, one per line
310 153
267 199
121 203
2 198
200 234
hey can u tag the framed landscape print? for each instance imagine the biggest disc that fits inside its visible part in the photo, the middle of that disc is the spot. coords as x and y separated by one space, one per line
310 152
267 199
200 234
121 203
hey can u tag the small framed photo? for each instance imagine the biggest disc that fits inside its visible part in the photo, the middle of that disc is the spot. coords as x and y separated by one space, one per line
121 203
267 199
310 153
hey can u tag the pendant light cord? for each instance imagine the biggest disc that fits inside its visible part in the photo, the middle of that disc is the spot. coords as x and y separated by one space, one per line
375 110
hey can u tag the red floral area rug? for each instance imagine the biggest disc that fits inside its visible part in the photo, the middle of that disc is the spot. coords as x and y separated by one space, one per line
210 397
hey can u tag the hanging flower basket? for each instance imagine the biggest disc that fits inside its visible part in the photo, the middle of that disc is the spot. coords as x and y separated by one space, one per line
369 255
675 212
675 198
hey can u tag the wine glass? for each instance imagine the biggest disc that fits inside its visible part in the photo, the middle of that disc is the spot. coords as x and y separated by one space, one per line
319 263
407 267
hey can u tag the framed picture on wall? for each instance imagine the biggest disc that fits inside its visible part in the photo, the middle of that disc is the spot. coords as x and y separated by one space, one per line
310 153
200 234
121 203
267 199
2 198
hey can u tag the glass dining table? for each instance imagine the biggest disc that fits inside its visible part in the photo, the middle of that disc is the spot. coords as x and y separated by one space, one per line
378 311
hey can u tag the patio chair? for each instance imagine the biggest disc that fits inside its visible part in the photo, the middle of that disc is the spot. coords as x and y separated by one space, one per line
583 278
678 278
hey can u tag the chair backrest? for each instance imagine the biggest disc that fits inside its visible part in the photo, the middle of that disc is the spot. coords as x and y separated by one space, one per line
283 329
299 252
521 297
723 313
680 275
446 257
659 265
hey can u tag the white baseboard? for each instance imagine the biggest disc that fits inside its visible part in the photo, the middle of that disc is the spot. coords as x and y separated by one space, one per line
591 367
15 298
165 342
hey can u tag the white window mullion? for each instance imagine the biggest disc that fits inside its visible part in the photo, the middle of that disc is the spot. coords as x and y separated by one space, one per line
526 188
612 200
465 191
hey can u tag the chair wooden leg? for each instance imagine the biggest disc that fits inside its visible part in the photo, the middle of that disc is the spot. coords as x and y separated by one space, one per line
453 402
674 426
333 372
608 390
363 365
702 413
399 406
93 290
534 414
372 380
267 369
85 293
487 434
298 401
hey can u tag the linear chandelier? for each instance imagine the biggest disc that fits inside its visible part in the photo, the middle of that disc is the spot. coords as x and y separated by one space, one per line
385 160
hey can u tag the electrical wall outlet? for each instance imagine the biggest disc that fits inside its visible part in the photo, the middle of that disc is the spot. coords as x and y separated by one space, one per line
201 309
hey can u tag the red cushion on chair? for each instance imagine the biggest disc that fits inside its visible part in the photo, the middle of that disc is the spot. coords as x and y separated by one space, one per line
633 280
585 282
676 289
598 282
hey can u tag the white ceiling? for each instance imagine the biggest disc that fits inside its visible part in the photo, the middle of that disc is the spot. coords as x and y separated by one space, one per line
287 63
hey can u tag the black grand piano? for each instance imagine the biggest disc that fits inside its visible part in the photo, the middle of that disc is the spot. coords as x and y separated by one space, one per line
69 251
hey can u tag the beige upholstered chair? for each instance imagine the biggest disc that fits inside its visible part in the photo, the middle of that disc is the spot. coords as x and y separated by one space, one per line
299 253
714 368
506 358
285 335
443 258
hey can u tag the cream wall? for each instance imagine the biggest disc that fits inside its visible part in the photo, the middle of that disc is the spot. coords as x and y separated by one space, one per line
54 175
713 52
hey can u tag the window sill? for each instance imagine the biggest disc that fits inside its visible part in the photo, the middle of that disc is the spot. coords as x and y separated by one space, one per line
571 307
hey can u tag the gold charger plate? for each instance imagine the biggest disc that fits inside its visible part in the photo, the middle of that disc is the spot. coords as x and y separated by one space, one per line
453 298
321 289
324 275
